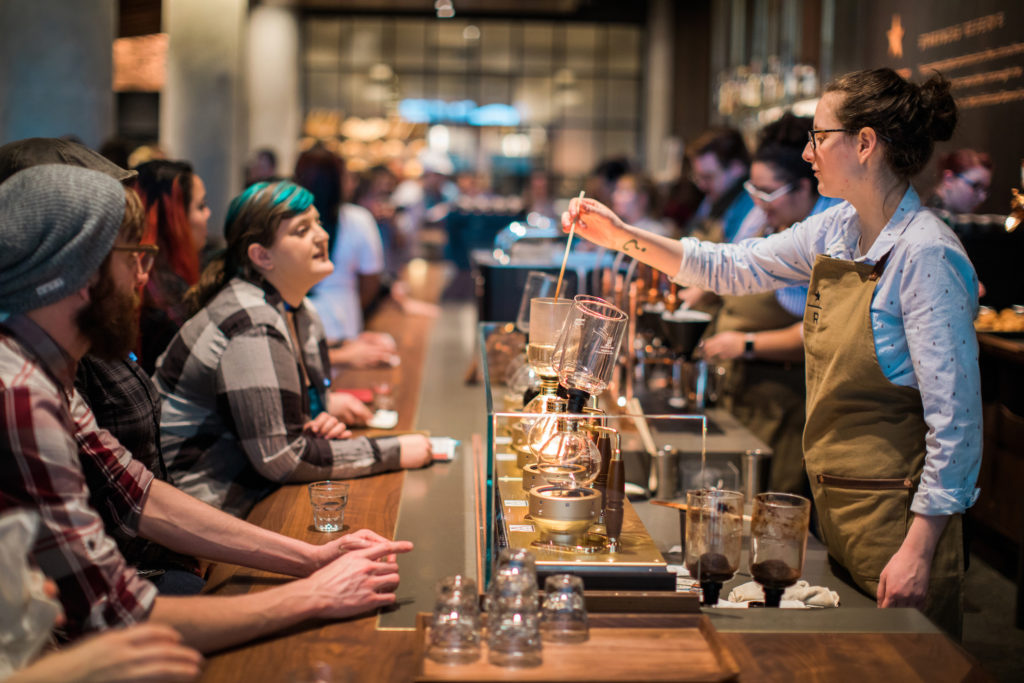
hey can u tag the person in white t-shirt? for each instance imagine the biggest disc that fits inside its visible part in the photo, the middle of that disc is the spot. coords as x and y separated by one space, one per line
358 257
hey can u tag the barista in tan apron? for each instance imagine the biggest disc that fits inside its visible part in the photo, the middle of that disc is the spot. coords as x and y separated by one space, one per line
767 396
864 442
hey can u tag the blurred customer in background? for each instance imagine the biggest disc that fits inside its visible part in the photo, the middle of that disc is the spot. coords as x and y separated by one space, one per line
965 177
637 200
720 165
357 253
177 220
261 167
539 195
423 202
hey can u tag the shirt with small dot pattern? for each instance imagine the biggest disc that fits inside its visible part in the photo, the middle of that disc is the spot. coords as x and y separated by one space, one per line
922 314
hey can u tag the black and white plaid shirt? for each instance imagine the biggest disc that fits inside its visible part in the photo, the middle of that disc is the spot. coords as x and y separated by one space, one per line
234 404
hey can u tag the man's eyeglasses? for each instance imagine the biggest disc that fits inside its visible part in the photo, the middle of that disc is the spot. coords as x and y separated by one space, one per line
767 197
145 254
976 185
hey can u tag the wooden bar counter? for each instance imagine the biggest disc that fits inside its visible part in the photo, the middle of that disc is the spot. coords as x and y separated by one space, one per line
845 644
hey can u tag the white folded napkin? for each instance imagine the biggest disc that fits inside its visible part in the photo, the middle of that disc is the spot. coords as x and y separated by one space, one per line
802 593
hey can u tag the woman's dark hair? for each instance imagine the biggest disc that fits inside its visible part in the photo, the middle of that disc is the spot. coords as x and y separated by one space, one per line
781 146
253 218
910 118
319 170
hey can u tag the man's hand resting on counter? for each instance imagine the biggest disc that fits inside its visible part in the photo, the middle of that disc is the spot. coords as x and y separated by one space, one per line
357 540
358 581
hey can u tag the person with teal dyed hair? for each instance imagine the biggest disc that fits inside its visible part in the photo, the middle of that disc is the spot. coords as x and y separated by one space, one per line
245 381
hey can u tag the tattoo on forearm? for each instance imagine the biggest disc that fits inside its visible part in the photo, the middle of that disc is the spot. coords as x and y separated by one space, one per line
633 245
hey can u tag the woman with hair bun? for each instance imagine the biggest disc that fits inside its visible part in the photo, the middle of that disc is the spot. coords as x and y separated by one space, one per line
892 441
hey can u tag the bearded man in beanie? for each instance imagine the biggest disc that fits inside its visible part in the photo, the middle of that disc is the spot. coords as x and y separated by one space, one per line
120 394
69 266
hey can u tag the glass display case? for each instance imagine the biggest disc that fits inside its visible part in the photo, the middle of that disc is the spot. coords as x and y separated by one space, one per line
554 482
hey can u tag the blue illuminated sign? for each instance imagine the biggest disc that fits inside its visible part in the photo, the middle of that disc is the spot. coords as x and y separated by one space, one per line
462 111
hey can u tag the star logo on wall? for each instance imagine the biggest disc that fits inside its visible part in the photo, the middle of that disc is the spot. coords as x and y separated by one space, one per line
895 36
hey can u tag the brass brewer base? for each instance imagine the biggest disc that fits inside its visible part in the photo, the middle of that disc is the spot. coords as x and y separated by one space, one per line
591 543
564 517
636 564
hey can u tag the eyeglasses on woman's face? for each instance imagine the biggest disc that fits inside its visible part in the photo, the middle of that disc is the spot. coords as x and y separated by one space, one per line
145 254
812 135
767 197
978 186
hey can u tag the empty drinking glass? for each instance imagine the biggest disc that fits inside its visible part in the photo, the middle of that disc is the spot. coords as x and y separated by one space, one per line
513 625
455 625
513 635
328 499
564 613
537 284
588 348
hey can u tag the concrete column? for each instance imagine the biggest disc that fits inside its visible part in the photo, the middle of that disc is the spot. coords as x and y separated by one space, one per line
56 69
202 106
659 89
275 110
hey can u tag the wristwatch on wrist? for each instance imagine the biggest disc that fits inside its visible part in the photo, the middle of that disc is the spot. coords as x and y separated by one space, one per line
748 346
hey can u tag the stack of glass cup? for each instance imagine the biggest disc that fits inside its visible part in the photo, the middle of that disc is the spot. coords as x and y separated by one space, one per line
564 614
513 622
455 626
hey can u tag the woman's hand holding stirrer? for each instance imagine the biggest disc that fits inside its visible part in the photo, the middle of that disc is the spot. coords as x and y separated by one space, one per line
596 223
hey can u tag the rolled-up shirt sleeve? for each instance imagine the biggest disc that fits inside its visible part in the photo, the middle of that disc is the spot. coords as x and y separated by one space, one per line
258 382
755 265
938 295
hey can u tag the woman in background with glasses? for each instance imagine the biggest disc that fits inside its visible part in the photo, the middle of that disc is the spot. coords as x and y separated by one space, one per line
964 180
758 337
892 442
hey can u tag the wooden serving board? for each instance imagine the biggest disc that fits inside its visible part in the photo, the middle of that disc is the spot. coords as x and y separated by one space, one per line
622 647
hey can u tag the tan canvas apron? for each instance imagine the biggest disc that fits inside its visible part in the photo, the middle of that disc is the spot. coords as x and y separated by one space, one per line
767 396
864 441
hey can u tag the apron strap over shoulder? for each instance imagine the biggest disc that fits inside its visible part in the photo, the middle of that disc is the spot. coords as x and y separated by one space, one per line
879 267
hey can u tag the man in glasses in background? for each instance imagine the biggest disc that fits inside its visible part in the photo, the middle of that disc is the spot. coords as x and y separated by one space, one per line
720 163
964 178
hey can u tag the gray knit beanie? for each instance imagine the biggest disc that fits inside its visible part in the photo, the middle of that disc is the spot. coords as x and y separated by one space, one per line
57 225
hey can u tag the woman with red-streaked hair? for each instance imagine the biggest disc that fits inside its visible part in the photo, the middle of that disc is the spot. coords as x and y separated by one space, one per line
176 221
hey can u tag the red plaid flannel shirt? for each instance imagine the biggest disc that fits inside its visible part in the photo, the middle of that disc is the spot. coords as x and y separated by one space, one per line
50 448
